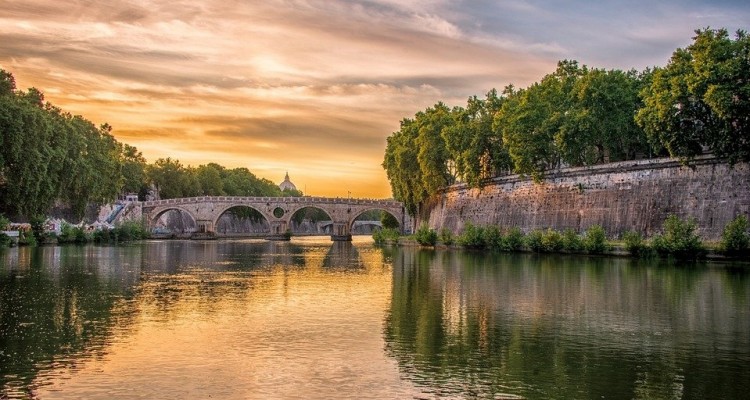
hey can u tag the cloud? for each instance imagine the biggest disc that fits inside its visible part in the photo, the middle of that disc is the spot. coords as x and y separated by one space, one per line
314 86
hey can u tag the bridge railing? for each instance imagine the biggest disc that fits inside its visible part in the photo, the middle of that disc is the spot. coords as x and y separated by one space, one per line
293 200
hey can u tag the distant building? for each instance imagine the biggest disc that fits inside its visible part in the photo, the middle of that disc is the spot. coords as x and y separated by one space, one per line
287 184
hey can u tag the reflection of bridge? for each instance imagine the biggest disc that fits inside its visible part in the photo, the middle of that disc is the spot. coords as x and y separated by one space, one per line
278 211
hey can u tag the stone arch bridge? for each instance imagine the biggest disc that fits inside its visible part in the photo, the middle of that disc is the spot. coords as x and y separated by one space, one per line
278 211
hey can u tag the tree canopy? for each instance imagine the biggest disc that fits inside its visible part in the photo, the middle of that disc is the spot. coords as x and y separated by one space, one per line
702 98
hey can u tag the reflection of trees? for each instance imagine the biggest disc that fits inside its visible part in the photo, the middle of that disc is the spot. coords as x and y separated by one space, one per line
568 327
58 305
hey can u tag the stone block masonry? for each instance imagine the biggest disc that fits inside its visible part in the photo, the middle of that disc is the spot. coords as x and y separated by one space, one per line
629 195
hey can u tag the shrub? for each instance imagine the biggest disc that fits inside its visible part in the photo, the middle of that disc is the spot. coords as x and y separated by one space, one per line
67 234
446 237
552 241
659 244
5 240
104 235
472 236
425 236
37 227
678 239
595 241
634 243
385 235
534 240
735 239
80 236
492 237
571 241
133 230
513 240
26 238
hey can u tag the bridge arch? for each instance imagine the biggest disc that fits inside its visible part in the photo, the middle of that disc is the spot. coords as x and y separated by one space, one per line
153 222
318 218
353 220
219 224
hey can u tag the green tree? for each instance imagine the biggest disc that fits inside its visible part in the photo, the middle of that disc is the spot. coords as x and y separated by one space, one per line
209 179
599 126
26 187
402 168
702 98
473 143
168 176
133 171
530 119
432 155
7 83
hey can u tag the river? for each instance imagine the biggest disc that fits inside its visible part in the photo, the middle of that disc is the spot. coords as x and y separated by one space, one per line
312 319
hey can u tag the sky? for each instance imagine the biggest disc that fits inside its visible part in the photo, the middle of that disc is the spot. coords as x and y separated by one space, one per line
314 88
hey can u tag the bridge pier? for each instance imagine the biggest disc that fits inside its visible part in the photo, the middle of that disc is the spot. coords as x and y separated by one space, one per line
341 232
279 231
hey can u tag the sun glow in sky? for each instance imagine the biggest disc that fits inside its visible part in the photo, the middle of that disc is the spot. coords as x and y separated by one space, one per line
315 87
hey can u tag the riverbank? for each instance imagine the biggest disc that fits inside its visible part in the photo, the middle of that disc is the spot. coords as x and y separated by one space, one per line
615 250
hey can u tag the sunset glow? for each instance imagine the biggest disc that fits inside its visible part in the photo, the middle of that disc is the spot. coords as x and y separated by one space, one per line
314 87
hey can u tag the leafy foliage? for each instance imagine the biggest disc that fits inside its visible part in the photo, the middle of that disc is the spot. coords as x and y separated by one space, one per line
388 221
552 241
571 241
678 239
513 240
702 97
534 240
474 145
492 237
595 240
472 236
735 238
5 240
385 235
425 236
635 244
446 237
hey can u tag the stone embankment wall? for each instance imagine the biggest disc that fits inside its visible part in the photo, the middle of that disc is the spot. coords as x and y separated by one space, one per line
630 195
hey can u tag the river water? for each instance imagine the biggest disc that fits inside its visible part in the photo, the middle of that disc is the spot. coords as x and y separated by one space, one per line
251 319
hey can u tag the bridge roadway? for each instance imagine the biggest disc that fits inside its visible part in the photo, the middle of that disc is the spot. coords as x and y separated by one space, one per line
278 211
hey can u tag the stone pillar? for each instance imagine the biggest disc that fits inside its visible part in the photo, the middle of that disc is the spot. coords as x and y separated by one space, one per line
341 232
279 231
205 226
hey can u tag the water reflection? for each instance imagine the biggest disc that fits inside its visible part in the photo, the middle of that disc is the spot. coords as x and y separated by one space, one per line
176 319
474 325
59 305
315 319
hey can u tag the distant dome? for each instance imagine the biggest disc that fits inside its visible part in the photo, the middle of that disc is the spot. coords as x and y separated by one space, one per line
287 184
